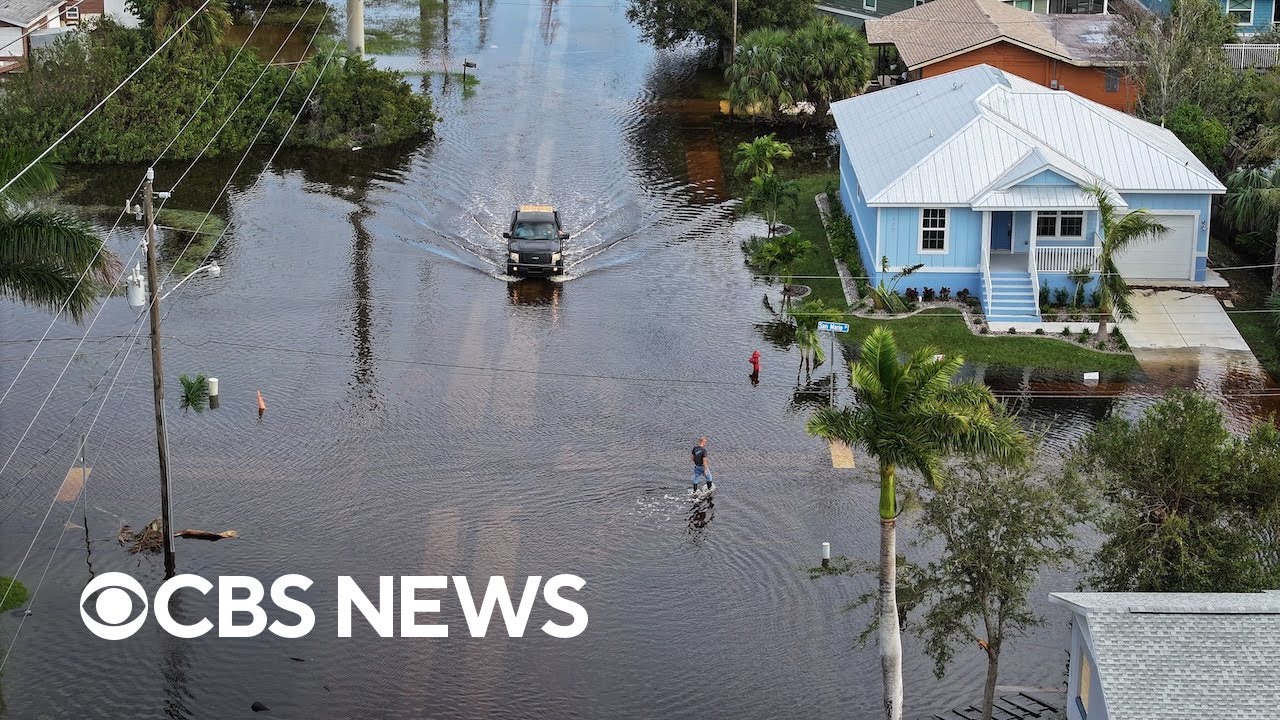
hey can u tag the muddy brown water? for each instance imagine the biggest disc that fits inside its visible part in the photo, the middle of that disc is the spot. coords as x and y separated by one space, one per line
425 416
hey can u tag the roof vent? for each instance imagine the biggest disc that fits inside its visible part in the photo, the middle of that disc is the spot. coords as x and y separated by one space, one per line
1053 84
930 132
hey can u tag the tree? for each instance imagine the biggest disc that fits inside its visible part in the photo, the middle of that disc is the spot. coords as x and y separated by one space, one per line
777 256
768 193
807 316
1273 304
1000 527
1253 203
1117 234
668 23
833 62
43 252
164 17
910 415
756 157
1203 135
1178 59
820 63
1188 506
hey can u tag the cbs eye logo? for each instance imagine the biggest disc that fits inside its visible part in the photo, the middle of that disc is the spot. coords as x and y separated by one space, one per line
112 597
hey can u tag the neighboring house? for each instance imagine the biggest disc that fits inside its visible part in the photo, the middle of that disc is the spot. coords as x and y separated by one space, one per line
18 20
1251 16
1064 52
856 12
1173 656
977 175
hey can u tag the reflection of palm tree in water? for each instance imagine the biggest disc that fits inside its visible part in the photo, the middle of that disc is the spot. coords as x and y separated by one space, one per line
361 285
482 21
549 24
701 516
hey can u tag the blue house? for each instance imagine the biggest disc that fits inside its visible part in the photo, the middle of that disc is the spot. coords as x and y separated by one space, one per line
1251 16
978 175
1172 656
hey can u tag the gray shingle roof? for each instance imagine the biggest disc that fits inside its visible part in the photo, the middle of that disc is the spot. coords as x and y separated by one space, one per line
1184 656
22 12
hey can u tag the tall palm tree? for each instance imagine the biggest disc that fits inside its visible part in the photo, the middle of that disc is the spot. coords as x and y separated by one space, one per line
910 415
1117 234
1253 202
832 62
759 78
164 17
43 253
769 193
756 158
806 316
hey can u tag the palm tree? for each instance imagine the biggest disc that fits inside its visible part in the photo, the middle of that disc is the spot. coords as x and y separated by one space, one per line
44 253
808 341
1117 234
164 17
910 414
833 62
1253 202
756 157
768 193
759 79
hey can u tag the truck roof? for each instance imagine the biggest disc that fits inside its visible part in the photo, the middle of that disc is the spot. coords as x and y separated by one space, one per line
537 208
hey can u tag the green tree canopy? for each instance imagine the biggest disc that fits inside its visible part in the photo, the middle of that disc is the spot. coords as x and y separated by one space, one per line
1189 507
1205 136
820 63
668 23
1252 205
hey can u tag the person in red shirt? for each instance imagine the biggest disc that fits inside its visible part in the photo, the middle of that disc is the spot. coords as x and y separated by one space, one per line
755 367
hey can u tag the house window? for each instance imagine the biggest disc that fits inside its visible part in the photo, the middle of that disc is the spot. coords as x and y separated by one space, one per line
1113 80
933 230
1082 687
920 2
1068 223
869 4
1020 4
1240 11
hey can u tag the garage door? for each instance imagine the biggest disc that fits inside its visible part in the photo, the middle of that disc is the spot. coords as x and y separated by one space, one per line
10 45
1167 257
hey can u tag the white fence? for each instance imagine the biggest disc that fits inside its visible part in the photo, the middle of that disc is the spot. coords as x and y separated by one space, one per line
1065 259
1246 56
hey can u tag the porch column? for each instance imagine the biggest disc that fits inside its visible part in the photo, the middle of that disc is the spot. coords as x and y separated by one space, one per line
985 264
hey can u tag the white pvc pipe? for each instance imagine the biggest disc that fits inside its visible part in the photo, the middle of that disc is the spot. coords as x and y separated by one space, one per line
212 384
826 554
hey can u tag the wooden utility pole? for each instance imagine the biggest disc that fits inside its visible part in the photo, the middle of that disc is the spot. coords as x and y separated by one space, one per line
157 375
355 27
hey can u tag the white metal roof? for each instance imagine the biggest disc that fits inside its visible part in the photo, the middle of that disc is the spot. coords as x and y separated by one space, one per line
1037 197
950 139
1184 656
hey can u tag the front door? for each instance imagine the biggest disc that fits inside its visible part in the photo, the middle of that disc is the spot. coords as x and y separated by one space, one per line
1002 232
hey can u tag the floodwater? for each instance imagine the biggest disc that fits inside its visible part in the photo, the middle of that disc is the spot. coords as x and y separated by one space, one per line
424 416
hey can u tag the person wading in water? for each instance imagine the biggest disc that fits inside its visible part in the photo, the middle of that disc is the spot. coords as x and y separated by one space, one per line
701 466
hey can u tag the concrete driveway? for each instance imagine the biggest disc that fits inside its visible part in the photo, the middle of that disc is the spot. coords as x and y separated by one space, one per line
1170 319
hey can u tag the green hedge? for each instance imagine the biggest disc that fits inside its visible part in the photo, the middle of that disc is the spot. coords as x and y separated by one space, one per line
844 242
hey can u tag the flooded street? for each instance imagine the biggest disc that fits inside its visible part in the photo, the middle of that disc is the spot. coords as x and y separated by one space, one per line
427 417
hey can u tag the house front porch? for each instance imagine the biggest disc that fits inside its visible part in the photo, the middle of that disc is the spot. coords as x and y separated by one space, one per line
1024 249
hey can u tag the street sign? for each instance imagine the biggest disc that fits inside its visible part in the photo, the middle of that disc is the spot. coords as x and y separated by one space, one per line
833 326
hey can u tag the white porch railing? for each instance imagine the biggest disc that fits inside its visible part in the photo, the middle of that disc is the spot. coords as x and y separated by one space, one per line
1065 259
1245 56
986 262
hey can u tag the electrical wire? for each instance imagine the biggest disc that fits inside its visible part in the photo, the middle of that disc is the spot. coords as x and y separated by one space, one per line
24 35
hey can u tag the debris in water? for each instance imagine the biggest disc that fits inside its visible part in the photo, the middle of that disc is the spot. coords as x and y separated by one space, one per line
150 539
258 707
262 405
297 659
206 535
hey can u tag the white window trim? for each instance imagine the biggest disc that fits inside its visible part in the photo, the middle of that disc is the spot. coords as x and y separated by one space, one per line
946 232
1057 224
1253 7
869 4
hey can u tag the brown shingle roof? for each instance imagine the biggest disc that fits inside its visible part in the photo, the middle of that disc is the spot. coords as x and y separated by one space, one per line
927 33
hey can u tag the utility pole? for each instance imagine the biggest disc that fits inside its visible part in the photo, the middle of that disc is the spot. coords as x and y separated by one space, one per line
733 49
355 27
157 374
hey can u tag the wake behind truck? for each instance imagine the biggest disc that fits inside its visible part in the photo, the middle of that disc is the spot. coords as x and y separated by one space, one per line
535 242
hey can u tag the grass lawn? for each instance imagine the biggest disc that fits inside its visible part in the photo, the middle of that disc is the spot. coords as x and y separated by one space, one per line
185 222
946 330
808 223
1253 286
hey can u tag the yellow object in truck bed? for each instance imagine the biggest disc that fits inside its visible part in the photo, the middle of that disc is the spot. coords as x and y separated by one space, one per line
536 208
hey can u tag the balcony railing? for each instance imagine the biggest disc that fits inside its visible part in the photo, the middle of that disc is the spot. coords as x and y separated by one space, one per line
1065 259
1251 56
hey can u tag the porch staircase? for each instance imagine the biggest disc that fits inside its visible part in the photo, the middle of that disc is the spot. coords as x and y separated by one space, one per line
1013 299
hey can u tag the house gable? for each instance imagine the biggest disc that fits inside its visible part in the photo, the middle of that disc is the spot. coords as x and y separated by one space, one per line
1048 177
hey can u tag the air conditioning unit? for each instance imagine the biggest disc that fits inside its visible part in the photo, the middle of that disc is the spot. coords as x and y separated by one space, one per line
72 14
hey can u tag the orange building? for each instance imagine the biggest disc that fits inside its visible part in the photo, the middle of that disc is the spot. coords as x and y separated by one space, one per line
1064 52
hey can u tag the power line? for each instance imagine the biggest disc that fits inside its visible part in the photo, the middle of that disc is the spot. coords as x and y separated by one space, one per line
24 35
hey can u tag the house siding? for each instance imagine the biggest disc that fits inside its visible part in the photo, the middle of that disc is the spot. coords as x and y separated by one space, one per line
855 12
864 218
1263 16
1097 709
1089 82
900 240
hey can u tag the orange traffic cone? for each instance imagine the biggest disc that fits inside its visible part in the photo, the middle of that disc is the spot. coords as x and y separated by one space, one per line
262 405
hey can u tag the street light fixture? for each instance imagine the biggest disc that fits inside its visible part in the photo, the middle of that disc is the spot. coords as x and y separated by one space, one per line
136 283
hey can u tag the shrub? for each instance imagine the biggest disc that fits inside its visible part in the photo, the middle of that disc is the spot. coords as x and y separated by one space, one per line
1061 296
962 294
1102 345
984 329
1044 293
1039 331
912 295
1044 308
944 294
1093 299
929 295
1066 332
1013 331
973 303
1083 340
1085 333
